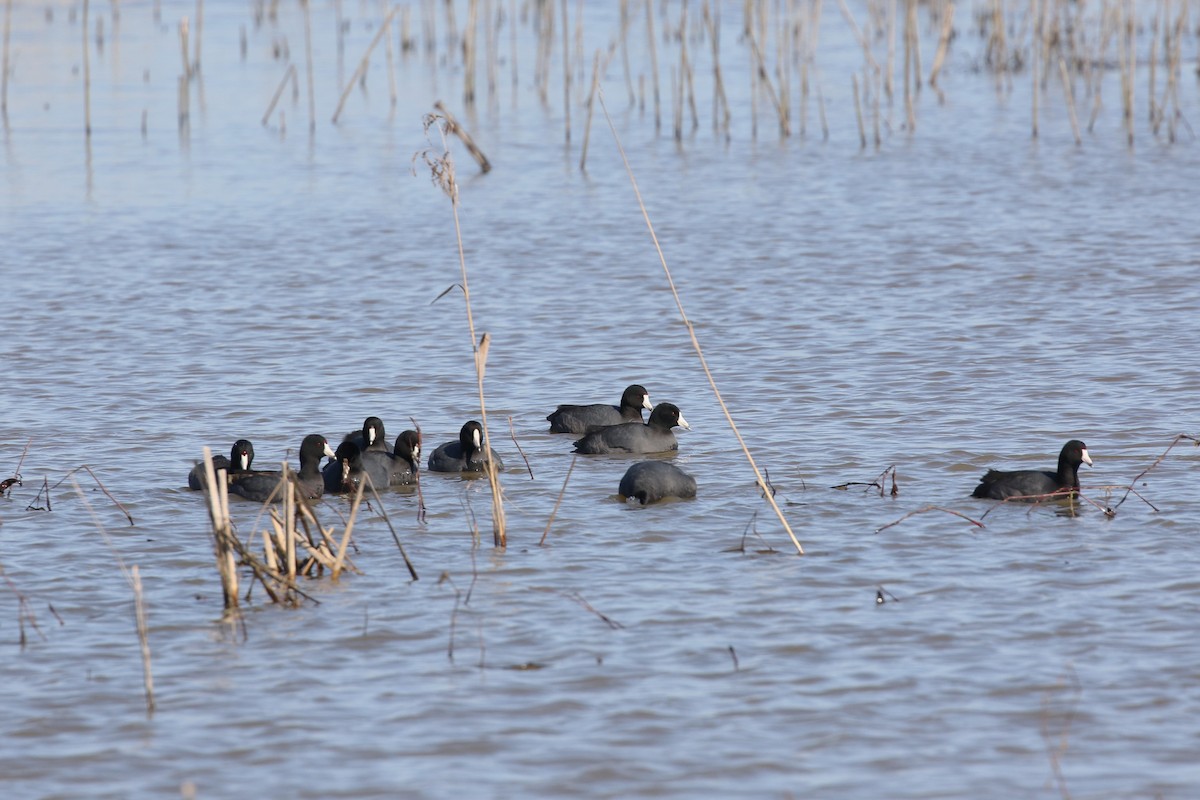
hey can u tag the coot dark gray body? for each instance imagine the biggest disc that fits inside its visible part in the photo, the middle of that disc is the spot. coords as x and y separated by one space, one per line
634 437
241 456
651 481
1033 484
309 482
465 455
583 418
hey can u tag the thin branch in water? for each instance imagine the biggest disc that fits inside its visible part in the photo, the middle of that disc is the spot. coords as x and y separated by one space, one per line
688 324
98 483
1179 438
513 434
25 611
879 595
578 598
557 502
878 483
1068 685
733 655
974 522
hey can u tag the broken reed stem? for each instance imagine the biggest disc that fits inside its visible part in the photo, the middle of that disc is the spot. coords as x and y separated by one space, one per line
217 494
587 126
939 55
927 509
133 578
385 27
4 67
308 57
87 77
558 502
1069 93
464 137
341 551
692 334
139 607
102 487
566 61
784 122
512 432
862 131
290 72
653 66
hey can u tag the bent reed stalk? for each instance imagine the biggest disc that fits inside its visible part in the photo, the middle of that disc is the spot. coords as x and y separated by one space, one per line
444 177
762 483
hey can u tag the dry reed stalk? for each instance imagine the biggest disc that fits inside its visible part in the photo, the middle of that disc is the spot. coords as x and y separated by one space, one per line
464 137
341 551
133 578
512 433
653 64
890 66
87 78
217 495
391 66
862 131
761 481
25 612
1153 110
199 36
490 32
4 67
1128 66
99 484
412 571
943 45
587 125
558 502
384 28
926 510
912 66
308 60
468 47
443 173
764 78
720 102
290 72
1069 93
512 46
139 610
624 51
821 112
687 70
566 61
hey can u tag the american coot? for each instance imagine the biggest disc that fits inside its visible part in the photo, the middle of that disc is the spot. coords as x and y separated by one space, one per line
581 419
406 459
371 438
466 454
634 437
241 456
650 481
309 482
1033 484
347 459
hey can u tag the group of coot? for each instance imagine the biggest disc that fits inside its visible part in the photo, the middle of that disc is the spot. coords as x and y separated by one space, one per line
364 456
619 429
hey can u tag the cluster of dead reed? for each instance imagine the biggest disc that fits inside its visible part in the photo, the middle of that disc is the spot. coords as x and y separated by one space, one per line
295 544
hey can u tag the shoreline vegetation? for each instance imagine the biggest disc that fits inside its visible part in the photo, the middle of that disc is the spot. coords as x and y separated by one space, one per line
671 61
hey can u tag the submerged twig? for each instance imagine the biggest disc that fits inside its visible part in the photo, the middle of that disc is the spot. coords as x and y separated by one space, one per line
558 502
513 434
1129 490
974 522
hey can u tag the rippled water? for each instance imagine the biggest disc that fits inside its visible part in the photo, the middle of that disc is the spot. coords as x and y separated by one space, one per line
958 298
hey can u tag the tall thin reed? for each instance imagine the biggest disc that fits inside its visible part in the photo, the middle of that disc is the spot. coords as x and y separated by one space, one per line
308 57
87 77
558 502
443 174
1069 95
470 34
761 481
566 60
143 630
653 42
587 125
4 74
135 583
199 36
290 72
